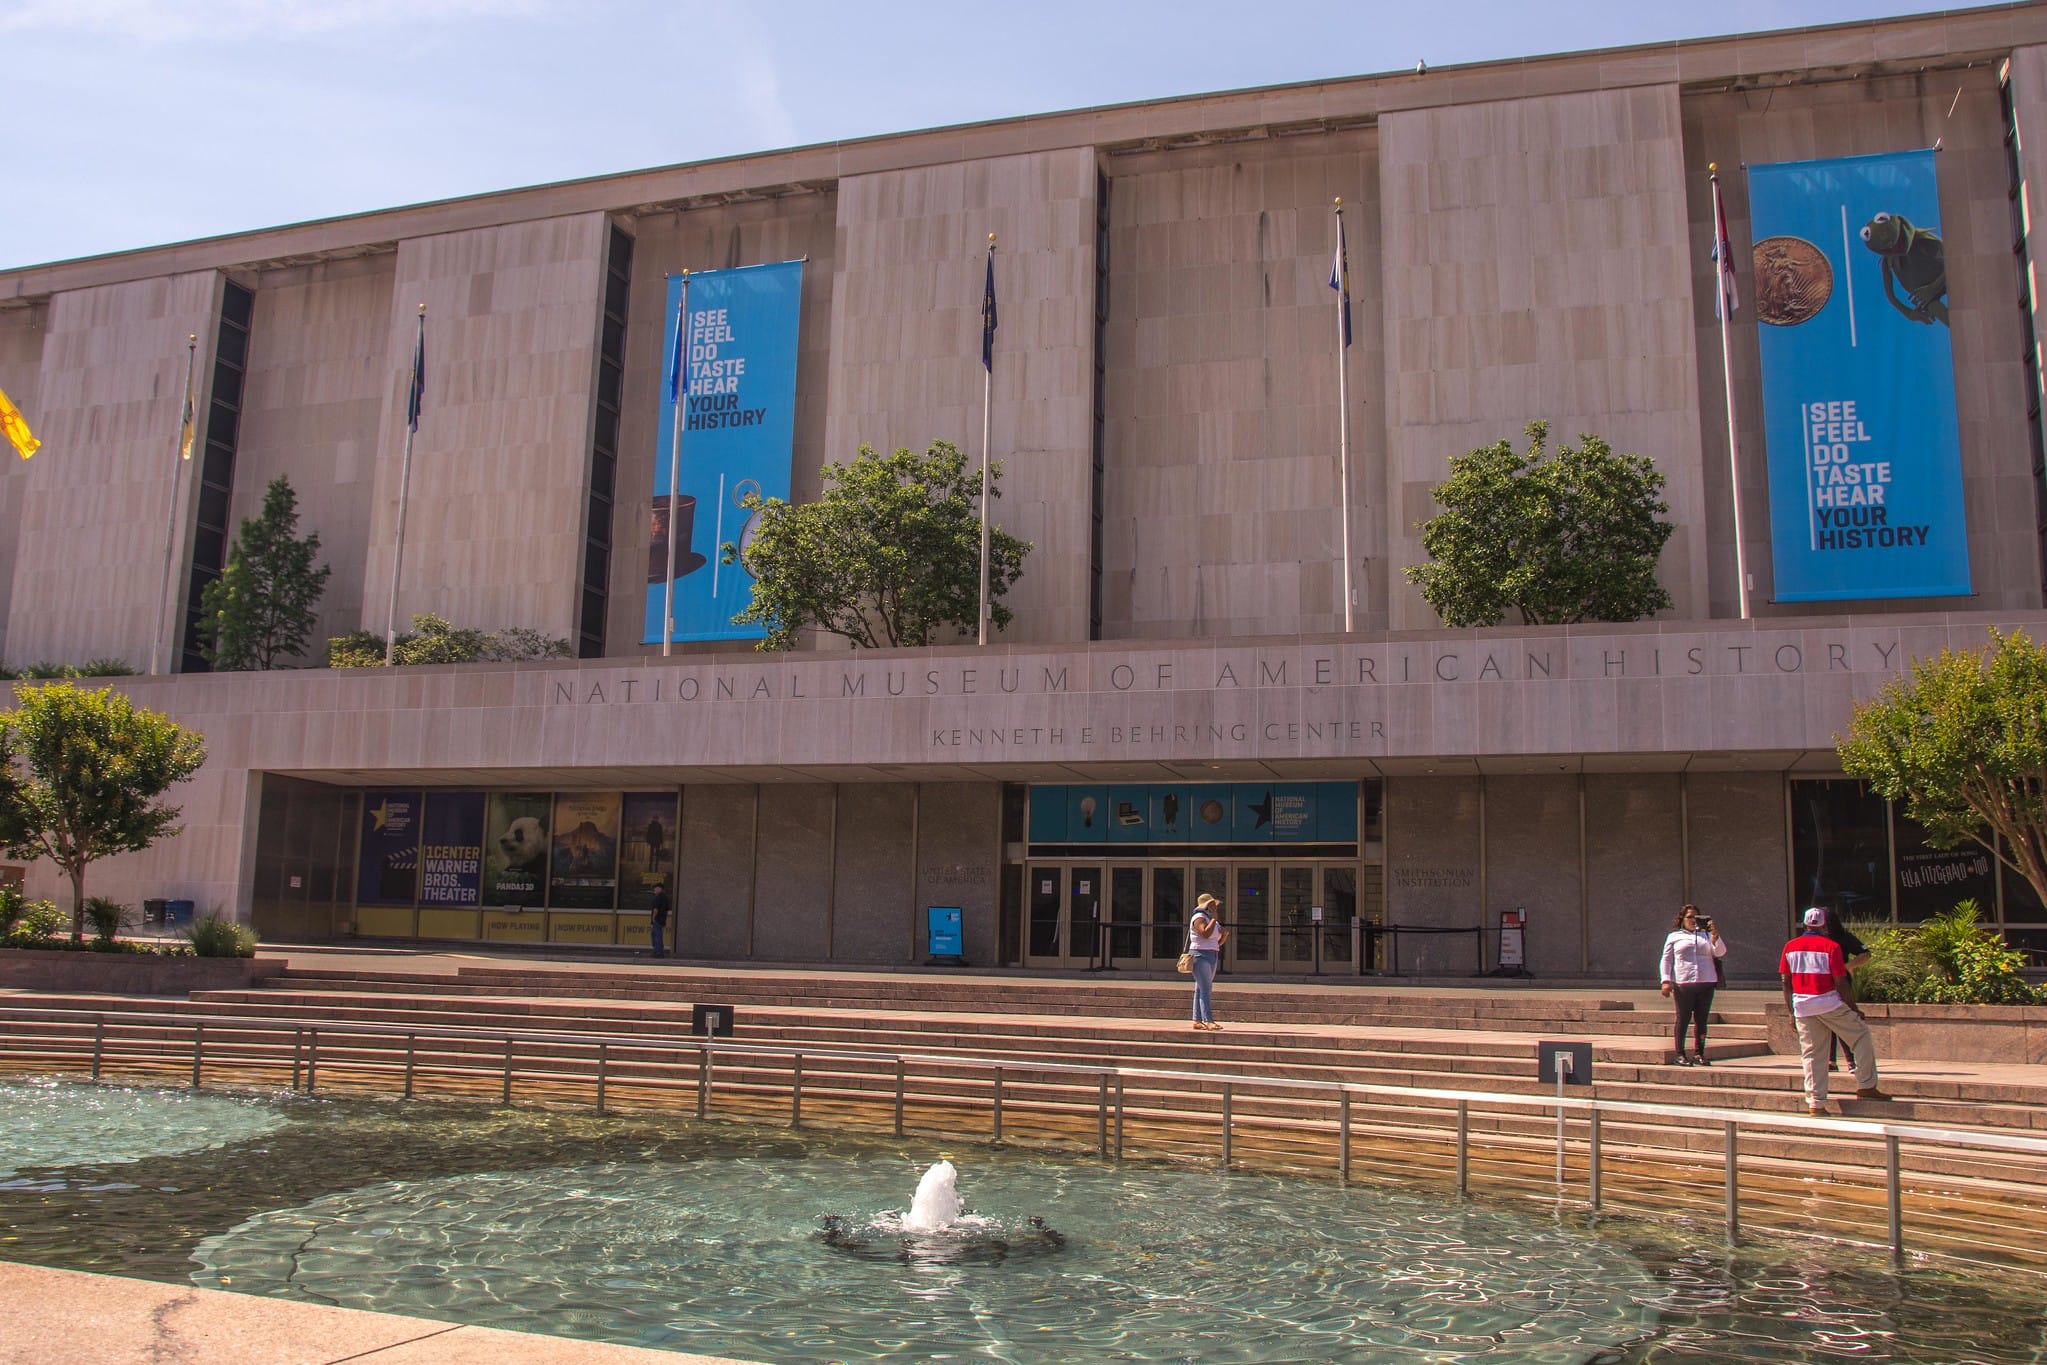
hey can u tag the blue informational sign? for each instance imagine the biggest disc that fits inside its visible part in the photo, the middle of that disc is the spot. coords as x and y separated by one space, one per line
1202 813
388 870
942 928
738 424
1858 379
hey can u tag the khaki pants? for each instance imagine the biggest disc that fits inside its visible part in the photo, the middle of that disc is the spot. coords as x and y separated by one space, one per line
1853 1031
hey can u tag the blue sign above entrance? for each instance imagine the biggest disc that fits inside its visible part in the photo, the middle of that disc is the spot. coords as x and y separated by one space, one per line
1196 813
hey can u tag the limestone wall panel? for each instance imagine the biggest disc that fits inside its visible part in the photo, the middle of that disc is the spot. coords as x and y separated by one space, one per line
21 363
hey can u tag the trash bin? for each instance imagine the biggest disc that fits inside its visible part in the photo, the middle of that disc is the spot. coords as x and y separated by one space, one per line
177 914
152 911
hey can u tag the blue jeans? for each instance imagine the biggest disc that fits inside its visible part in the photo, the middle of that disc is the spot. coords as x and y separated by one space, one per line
654 931
1206 960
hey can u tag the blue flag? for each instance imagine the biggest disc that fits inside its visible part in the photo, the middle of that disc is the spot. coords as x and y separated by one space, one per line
415 397
1339 280
677 365
988 317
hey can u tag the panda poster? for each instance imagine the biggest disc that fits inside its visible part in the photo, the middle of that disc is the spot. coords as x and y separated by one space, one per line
583 863
1851 301
515 845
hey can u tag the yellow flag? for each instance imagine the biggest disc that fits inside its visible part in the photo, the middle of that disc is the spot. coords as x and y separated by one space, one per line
185 429
15 428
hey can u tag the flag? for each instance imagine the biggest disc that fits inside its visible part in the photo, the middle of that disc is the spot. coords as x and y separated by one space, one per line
185 423
677 366
1723 252
988 316
15 428
415 396
1339 280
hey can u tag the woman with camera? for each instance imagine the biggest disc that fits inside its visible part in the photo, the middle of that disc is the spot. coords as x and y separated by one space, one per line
1691 969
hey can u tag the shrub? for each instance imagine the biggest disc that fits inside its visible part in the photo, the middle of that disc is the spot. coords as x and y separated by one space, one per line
43 669
106 916
39 919
1949 960
10 909
433 640
104 668
219 936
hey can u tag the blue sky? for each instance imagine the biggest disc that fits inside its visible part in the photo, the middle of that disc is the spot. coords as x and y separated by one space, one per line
130 123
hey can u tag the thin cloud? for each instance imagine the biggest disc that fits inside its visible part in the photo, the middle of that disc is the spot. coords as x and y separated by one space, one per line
152 21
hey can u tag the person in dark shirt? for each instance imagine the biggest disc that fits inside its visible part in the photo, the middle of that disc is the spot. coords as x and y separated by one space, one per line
1853 949
659 925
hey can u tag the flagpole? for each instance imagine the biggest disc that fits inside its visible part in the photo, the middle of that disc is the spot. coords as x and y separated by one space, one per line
170 529
1343 423
677 367
404 489
1721 268
987 406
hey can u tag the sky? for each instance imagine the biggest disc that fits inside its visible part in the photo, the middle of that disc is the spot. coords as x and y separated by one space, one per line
132 123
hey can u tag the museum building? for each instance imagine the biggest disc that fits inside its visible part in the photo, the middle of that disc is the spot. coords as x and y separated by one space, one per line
1218 677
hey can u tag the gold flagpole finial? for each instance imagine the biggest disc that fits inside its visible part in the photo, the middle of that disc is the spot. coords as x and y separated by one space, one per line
1713 167
192 338
422 310
991 241
1339 203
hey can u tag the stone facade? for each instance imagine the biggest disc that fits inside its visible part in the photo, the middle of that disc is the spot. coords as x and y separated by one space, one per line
1525 240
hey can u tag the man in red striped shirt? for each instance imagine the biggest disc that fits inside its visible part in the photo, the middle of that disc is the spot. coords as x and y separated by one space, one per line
1821 998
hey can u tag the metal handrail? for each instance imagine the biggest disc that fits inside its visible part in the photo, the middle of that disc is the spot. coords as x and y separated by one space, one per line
304 1062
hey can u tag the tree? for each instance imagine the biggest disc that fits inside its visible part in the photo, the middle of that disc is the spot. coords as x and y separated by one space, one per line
260 609
890 555
1961 742
1560 536
80 773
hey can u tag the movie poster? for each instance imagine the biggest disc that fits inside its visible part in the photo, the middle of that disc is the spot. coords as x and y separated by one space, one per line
451 849
1858 379
584 872
388 873
647 848
515 849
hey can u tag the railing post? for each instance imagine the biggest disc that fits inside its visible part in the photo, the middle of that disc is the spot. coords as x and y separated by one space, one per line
899 1097
703 1080
1343 1135
411 1060
600 1079
1226 1125
198 1048
505 1096
298 1043
1893 1195
1102 1113
1463 1146
1733 1185
99 1040
1592 1157
312 1058
796 1093
1119 1118
998 1106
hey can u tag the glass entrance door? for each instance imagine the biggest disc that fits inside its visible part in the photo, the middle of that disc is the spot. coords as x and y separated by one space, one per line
1250 912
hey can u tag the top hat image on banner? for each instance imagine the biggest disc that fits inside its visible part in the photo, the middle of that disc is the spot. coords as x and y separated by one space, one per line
687 560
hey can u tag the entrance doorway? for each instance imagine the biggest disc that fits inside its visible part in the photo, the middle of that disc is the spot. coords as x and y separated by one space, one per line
1102 914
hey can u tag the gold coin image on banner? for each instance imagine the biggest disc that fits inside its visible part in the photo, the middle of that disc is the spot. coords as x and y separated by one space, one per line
1794 280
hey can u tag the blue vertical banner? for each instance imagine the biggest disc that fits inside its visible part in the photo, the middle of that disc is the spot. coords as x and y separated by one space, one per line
738 427
451 849
1858 379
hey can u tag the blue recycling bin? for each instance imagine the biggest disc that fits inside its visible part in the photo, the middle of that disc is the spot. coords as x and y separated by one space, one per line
177 913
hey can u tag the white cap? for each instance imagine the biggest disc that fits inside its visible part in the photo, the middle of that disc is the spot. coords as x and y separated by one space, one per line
1815 918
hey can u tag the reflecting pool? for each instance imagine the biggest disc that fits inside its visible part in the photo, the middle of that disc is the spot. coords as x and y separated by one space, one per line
656 1231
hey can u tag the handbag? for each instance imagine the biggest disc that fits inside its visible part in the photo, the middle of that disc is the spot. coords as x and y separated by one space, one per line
1186 967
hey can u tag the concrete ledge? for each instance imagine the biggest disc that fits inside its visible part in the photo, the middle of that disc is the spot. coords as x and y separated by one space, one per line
2009 1034
67 1317
32 969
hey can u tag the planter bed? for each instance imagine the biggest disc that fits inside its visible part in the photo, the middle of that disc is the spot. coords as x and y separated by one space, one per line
34 969
1941 1033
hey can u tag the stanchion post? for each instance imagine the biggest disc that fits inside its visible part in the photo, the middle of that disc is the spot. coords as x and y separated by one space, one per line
1894 1198
1733 1183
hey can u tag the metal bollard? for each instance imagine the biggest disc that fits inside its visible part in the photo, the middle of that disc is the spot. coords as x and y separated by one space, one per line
1102 1114
1592 1157
1733 1185
998 1105
899 1097
1893 1195
505 1096
600 1079
1119 1118
703 1080
796 1093
1343 1135
1463 1147
198 1048
411 1061
1226 1125
312 1058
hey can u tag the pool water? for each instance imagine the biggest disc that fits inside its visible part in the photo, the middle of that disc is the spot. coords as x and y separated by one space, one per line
665 1233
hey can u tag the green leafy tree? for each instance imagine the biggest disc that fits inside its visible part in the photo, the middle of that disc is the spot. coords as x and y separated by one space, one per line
260 609
890 555
81 771
1559 536
1961 743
